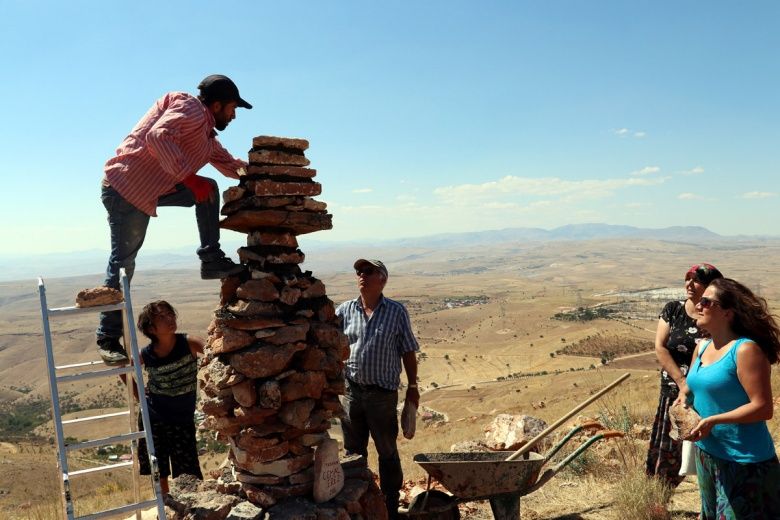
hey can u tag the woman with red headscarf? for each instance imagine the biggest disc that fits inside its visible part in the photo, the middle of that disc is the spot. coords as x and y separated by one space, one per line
675 340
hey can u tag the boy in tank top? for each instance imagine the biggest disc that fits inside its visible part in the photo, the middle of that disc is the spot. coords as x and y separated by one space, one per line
170 364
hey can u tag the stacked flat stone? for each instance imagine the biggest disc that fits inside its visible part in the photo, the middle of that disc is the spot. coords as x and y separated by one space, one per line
272 371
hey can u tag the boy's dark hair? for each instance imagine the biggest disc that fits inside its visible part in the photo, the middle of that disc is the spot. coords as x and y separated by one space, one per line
148 313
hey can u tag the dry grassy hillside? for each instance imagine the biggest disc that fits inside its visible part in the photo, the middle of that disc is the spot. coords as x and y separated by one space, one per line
491 343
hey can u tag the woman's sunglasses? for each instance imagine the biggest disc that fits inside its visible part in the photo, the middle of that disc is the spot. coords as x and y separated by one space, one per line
706 303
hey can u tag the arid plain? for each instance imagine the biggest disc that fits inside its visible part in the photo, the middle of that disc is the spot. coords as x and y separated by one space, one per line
486 320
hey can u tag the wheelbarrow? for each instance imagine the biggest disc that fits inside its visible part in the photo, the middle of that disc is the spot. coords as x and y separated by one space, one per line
501 477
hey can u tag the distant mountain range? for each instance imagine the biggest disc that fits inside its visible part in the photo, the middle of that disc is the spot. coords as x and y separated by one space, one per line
331 254
568 232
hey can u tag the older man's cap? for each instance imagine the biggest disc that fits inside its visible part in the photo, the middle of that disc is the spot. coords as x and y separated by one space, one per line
363 263
221 88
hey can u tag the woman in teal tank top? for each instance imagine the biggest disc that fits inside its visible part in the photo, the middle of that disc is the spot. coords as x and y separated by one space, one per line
729 386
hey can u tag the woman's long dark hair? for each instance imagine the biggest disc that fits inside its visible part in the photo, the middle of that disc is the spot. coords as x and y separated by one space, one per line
752 318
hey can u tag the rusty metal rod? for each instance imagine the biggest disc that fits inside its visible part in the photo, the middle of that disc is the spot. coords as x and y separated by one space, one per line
527 447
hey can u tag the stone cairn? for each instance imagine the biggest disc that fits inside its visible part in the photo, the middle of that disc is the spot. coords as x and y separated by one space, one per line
272 372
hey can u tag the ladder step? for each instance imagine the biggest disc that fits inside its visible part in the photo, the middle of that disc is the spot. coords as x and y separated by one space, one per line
61 311
96 373
105 441
122 509
79 365
96 417
96 469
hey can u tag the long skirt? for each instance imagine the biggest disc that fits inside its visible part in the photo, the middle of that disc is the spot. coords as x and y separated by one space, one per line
734 491
664 454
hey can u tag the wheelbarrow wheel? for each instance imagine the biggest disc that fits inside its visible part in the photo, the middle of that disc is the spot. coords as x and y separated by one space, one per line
433 505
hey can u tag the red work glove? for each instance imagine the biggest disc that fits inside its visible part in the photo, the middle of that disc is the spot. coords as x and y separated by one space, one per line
199 186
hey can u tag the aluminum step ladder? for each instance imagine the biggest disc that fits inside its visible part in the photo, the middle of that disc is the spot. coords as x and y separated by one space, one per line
96 369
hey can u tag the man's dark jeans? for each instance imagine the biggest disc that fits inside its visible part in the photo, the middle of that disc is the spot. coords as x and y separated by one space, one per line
128 229
370 409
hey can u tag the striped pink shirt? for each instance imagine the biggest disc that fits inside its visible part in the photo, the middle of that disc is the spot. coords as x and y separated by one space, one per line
175 139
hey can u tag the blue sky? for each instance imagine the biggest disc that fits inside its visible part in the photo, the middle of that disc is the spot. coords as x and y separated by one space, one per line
424 117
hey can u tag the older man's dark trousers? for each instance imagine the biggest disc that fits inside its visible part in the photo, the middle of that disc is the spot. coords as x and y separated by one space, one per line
373 410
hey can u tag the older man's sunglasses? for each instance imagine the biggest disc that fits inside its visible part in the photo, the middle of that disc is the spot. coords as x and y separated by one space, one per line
366 271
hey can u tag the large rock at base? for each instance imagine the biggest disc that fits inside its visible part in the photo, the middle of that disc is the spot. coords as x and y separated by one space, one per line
328 474
331 512
258 495
257 362
281 467
351 494
299 222
245 511
296 509
373 502
199 500
509 432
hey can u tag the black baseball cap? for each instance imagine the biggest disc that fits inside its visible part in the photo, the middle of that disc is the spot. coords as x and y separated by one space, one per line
219 87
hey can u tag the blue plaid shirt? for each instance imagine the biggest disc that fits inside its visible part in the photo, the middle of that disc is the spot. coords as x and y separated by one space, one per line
376 344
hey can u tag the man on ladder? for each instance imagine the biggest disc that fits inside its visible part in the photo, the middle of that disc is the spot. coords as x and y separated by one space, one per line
157 165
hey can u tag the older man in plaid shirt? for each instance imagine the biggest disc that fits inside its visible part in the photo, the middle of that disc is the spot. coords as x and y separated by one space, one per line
380 340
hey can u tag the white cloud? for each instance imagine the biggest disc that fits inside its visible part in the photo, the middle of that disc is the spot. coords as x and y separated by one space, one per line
504 202
696 170
511 187
363 190
647 170
689 196
759 195
625 132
